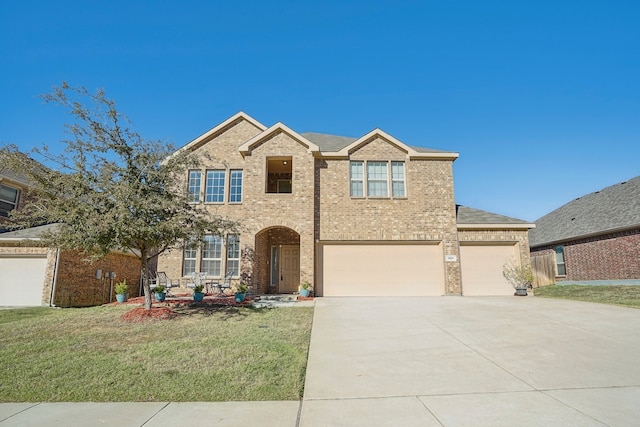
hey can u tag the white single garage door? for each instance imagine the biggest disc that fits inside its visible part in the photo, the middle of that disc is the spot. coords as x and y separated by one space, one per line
22 280
382 270
481 267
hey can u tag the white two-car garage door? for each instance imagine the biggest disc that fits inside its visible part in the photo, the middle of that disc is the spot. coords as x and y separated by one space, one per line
482 269
22 280
382 269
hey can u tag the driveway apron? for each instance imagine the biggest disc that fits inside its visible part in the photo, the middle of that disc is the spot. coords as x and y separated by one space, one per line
457 361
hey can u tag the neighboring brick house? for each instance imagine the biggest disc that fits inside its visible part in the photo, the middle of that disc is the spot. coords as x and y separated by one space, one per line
594 237
32 275
13 193
352 216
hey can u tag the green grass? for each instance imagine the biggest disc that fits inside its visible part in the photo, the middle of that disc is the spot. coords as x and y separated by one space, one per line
206 354
628 296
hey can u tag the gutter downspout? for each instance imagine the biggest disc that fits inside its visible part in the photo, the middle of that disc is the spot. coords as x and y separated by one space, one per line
55 279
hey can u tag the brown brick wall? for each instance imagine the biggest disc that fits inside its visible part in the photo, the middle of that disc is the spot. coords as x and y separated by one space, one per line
608 257
77 286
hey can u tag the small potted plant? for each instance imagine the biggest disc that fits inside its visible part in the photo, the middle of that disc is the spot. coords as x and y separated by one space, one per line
121 291
305 289
519 276
159 293
198 295
241 292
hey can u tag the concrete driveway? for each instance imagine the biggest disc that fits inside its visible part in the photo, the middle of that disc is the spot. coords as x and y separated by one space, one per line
472 361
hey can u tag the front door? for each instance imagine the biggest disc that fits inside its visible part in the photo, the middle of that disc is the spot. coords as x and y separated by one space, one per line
289 268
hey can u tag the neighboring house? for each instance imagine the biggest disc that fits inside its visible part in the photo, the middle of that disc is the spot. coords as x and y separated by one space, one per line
594 237
33 275
13 190
352 216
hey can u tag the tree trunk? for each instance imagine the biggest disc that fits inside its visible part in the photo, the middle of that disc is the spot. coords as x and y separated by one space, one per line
145 280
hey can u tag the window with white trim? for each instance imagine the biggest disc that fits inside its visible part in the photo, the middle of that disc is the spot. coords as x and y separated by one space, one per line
189 260
561 268
377 179
397 179
382 178
207 256
235 186
214 186
195 179
233 254
356 172
212 255
8 199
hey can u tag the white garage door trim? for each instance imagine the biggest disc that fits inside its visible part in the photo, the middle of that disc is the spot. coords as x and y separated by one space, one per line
481 268
381 269
22 280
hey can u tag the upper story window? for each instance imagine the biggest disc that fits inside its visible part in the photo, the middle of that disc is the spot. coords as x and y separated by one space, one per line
8 199
235 186
195 179
382 178
214 187
279 175
561 269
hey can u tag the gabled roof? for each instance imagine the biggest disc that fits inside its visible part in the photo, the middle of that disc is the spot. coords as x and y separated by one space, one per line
470 218
613 208
222 127
274 130
340 146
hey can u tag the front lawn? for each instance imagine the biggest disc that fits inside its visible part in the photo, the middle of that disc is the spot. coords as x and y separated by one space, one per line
628 296
204 354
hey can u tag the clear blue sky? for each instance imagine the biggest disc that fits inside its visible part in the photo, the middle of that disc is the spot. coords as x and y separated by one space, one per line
541 99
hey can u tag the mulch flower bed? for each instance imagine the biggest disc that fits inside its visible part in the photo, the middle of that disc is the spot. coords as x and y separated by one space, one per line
163 310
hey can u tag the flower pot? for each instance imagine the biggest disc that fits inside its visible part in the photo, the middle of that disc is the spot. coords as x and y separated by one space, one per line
240 296
121 298
198 296
305 292
159 296
522 292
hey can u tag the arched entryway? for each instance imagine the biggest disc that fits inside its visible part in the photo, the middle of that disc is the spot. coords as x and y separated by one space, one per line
277 260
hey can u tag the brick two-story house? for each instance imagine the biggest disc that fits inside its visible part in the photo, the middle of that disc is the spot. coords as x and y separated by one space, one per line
352 216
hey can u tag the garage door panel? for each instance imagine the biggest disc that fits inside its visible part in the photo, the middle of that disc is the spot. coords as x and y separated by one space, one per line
22 281
382 270
481 267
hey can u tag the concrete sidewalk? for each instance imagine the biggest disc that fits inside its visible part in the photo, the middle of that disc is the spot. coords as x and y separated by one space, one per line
440 361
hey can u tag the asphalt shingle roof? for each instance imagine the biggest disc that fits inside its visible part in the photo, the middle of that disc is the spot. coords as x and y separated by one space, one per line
612 208
29 233
332 143
467 215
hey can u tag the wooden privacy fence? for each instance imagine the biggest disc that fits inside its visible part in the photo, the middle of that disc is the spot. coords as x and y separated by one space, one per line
544 270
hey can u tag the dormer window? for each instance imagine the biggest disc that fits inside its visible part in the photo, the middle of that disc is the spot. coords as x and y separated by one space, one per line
279 175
